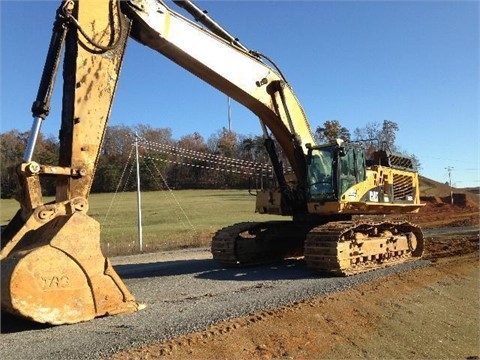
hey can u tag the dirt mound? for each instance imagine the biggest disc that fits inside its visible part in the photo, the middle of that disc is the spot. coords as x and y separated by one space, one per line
457 199
431 189
439 214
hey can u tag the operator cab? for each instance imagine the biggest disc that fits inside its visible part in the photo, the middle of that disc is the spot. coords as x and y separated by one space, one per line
332 169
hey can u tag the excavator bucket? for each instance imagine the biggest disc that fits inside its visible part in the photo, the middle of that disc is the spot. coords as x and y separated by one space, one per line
57 274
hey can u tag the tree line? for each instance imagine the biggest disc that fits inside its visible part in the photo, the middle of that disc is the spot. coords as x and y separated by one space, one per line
224 159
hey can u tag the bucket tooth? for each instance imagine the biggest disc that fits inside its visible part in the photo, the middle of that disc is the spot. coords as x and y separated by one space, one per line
57 274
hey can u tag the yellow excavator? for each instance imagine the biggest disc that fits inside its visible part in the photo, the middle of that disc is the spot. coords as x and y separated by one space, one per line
52 268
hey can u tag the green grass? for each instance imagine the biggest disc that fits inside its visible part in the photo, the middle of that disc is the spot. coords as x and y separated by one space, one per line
170 219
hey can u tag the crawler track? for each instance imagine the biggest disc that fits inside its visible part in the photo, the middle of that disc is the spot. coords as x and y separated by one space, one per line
340 248
254 243
346 248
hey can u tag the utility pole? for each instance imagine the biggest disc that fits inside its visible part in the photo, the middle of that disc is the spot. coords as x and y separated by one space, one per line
139 199
229 114
449 169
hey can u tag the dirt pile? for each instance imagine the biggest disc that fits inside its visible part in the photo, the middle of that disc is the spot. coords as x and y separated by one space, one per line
461 200
438 212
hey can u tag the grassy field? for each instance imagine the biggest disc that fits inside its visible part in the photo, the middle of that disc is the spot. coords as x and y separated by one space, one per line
170 219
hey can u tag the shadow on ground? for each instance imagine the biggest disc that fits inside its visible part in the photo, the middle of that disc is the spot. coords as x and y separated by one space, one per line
12 324
209 269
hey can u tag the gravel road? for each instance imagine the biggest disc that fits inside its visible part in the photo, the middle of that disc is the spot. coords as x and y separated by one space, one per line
185 291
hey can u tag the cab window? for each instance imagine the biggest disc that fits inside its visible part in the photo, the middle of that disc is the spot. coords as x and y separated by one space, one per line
320 174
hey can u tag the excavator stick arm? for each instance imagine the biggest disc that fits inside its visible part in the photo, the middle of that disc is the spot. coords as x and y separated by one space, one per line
53 270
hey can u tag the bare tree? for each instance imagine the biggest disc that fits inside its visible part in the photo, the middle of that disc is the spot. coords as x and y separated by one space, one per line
388 134
193 142
253 148
118 141
224 143
331 130
378 135
158 135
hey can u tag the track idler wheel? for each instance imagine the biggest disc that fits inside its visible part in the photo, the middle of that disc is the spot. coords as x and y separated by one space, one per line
57 274
415 242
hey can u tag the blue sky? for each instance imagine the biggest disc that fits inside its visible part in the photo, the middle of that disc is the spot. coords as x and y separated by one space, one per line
412 62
